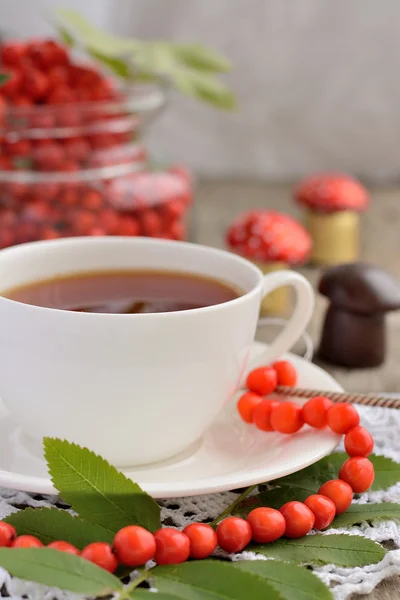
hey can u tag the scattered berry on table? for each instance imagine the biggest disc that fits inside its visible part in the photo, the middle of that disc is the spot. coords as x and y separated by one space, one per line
299 519
358 441
358 472
323 508
172 546
102 555
134 545
287 417
267 524
203 539
262 380
342 417
339 492
315 411
233 534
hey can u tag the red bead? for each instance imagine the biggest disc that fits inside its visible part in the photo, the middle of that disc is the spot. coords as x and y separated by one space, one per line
203 540
63 547
262 380
339 492
12 54
342 417
13 84
358 442
262 414
134 545
35 84
358 472
101 554
77 148
247 404
26 541
172 546
7 534
286 373
299 519
92 200
267 524
234 534
315 411
323 508
287 417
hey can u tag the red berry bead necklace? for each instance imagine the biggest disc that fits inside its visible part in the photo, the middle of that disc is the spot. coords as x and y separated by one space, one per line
134 546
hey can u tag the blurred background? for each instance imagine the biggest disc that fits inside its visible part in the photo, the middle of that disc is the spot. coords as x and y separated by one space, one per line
317 81
303 173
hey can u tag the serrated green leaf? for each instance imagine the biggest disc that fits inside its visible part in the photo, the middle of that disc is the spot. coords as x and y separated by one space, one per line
200 58
118 66
204 87
339 549
51 524
357 513
59 569
212 580
291 581
140 594
97 491
93 37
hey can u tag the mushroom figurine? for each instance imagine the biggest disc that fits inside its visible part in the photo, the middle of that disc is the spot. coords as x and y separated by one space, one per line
273 241
333 203
353 334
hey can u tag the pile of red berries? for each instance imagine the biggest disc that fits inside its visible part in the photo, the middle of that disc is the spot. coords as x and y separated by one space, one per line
134 546
70 160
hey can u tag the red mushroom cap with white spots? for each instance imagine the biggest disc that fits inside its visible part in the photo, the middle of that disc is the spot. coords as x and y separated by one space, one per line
269 236
331 192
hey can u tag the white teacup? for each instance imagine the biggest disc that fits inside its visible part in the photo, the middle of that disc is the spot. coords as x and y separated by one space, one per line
136 388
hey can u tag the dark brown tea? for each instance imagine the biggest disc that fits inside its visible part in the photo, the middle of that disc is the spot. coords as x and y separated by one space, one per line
125 292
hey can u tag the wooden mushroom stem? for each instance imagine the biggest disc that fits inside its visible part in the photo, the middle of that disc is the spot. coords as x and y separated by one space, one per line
335 236
353 340
278 302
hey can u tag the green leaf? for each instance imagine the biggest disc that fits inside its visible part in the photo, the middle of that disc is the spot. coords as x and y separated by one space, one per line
343 550
59 569
203 86
118 66
292 582
96 490
212 580
357 513
140 594
65 37
51 524
200 58
91 36
4 77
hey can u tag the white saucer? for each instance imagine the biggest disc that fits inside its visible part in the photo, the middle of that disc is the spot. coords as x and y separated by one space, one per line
231 454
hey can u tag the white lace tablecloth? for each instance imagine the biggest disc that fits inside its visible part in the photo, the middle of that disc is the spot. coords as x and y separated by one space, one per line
384 425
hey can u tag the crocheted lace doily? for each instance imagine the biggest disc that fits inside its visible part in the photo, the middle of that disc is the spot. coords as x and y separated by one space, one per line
384 425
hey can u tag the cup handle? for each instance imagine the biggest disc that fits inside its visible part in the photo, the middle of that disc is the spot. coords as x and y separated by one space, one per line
301 314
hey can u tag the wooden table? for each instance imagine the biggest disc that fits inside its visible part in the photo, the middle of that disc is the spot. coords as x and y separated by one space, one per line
218 202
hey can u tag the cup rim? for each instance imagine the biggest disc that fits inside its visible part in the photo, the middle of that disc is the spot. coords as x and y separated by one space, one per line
136 240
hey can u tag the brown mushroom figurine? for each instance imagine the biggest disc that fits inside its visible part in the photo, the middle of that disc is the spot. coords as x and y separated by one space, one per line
353 334
273 241
333 203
